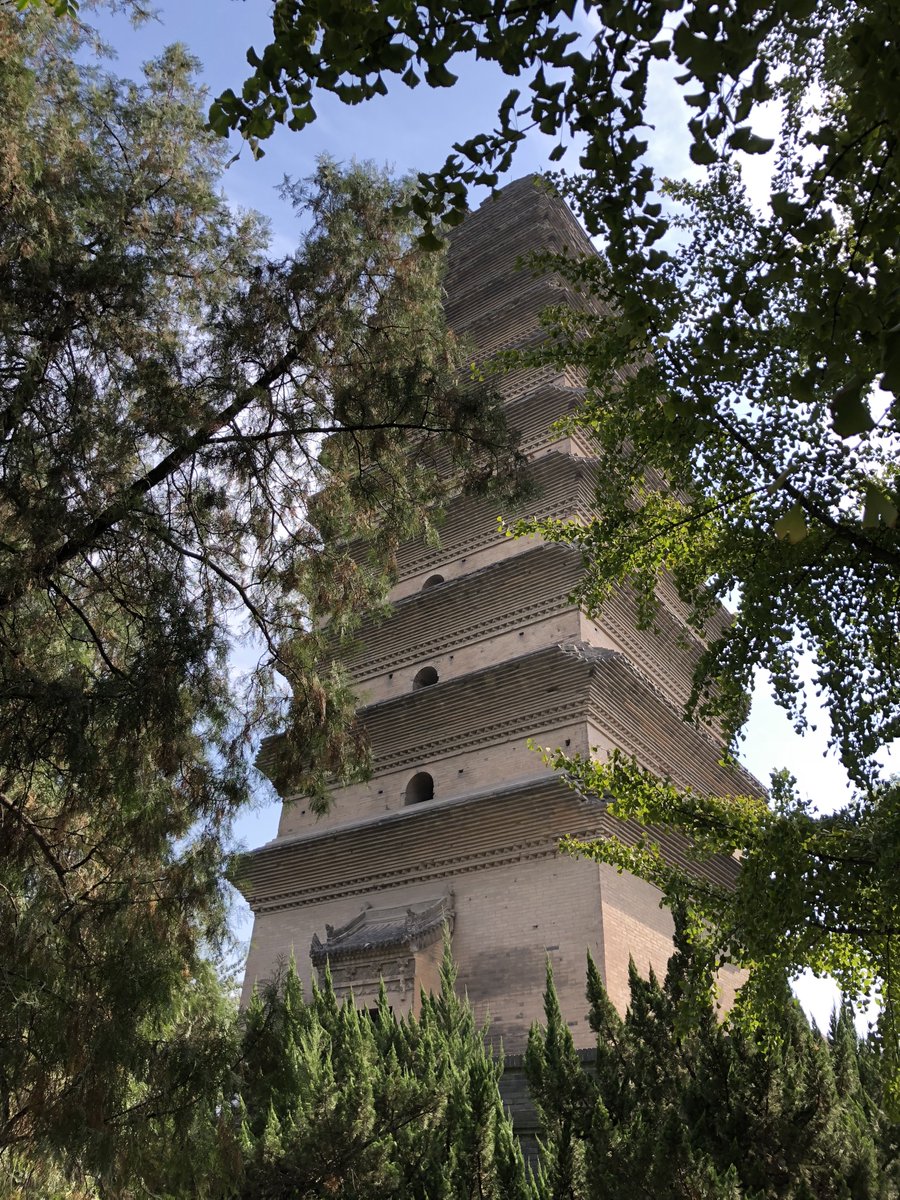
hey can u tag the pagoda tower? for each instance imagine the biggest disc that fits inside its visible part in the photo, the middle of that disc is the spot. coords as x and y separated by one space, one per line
484 650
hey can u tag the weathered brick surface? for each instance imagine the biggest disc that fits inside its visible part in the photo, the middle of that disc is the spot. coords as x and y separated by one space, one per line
509 922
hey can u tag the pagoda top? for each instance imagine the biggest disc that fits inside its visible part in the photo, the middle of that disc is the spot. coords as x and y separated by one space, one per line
493 298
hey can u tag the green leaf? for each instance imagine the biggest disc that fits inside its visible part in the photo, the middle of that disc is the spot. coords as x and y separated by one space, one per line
430 241
879 509
301 116
394 57
703 153
791 526
743 138
219 121
850 414
790 211
438 76
706 55
760 88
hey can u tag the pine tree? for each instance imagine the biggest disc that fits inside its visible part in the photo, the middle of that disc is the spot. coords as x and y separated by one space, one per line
561 1092
165 389
698 1109
332 1101
473 1150
859 1070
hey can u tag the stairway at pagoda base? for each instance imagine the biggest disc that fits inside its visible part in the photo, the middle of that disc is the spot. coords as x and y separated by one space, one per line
485 649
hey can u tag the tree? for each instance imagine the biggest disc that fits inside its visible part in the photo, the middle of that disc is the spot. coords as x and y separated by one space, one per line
743 377
697 1108
324 1099
171 398
814 891
371 1104
765 397
580 87
562 1096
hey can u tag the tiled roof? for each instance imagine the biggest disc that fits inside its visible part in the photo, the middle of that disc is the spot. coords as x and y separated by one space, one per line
407 928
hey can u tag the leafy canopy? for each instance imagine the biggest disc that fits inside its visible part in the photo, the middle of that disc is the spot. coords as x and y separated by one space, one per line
585 71
814 892
679 1109
762 392
742 358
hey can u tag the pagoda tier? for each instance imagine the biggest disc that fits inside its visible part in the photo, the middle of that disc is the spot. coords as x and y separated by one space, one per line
473 732
513 899
484 650
494 299
511 605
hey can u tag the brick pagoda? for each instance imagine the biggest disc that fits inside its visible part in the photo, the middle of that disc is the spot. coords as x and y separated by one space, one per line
483 650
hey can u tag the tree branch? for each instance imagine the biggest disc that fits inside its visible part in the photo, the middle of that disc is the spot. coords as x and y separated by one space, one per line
19 814
134 494
852 534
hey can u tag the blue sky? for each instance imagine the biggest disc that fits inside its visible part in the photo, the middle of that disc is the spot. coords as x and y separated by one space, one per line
408 131
413 130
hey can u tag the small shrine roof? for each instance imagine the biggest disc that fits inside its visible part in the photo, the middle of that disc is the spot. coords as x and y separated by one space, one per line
410 928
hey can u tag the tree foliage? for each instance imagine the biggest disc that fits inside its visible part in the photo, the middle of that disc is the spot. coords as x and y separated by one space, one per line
171 399
586 80
710 1112
320 1099
343 1102
814 892
764 395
